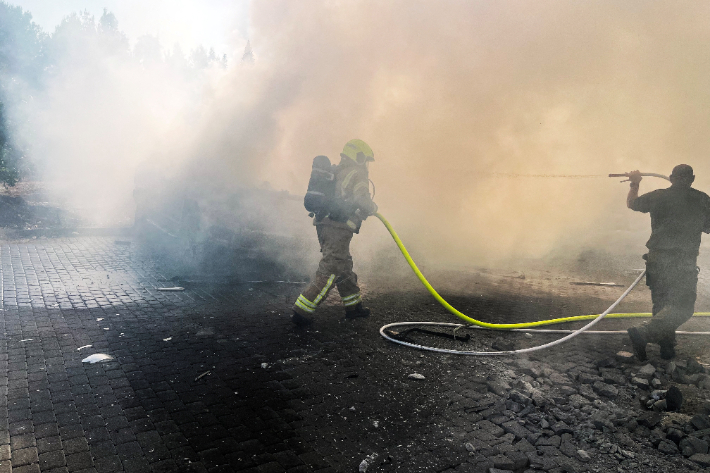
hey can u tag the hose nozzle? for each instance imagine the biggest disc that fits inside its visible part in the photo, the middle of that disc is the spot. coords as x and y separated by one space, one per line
650 174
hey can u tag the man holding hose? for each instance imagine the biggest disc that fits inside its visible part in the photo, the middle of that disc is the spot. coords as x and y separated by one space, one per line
679 215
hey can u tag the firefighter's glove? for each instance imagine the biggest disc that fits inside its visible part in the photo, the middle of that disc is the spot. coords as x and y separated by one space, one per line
373 209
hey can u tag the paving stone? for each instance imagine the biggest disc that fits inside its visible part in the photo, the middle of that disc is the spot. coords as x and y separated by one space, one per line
22 441
24 456
487 427
640 383
46 430
50 460
49 444
690 446
33 468
137 465
541 462
21 427
108 464
667 447
499 387
646 372
702 459
560 428
700 421
516 429
71 431
79 461
650 419
75 445
605 389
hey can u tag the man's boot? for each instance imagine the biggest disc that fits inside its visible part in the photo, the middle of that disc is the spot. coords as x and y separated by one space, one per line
638 342
667 349
300 320
357 312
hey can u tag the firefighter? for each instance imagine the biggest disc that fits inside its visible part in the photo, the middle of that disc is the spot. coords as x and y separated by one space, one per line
352 204
679 216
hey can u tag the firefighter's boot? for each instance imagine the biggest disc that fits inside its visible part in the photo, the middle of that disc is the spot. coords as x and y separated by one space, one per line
357 312
638 342
300 320
667 349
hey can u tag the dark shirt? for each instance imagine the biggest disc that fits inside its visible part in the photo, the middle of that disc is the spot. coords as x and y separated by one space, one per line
679 215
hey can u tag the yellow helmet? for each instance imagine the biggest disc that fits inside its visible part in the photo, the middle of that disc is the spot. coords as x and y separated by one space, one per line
358 151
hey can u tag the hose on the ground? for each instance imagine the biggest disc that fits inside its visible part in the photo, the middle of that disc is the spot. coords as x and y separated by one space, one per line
473 323
478 323
459 314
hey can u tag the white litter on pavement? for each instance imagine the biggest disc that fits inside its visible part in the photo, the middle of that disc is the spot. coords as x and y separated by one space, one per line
85 346
370 459
97 358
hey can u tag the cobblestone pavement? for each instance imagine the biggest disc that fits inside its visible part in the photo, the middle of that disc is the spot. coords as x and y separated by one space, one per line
209 379
214 378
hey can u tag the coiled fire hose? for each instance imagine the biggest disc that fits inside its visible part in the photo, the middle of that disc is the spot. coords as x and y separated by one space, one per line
385 330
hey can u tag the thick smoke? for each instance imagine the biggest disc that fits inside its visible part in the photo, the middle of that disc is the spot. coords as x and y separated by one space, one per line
103 108
456 98
451 93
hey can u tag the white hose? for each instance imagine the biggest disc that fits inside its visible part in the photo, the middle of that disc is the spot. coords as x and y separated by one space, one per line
510 352
653 174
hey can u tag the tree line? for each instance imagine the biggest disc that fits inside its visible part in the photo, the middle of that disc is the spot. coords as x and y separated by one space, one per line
30 58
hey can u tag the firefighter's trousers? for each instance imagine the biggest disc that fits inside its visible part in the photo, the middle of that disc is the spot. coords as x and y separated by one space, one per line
335 268
673 279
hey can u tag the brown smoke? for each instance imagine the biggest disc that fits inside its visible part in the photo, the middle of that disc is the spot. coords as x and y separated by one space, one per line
455 96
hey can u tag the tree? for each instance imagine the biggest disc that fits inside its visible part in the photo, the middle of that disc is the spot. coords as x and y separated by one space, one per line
248 56
22 62
199 58
148 50
21 44
112 39
9 158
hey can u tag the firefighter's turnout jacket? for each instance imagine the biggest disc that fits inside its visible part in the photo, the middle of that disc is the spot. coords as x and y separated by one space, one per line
353 202
335 232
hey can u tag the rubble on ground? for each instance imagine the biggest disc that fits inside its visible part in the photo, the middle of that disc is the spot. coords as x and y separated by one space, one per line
585 417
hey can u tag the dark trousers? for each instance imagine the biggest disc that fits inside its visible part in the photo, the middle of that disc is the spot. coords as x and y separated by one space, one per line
335 269
673 279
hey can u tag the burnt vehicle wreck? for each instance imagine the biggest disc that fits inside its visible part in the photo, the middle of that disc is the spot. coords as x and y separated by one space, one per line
247 234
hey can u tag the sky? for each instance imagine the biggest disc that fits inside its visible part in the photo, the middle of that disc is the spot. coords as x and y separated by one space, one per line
221 24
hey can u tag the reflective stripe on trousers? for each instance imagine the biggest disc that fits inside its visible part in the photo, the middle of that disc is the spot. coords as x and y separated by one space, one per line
352 300
309 306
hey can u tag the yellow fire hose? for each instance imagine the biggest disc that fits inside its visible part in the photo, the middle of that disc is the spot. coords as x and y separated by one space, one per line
488 325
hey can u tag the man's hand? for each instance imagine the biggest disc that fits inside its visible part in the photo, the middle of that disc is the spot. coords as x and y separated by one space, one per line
635 176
